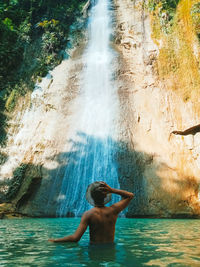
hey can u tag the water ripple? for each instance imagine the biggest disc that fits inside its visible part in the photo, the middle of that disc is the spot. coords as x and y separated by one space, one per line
139 242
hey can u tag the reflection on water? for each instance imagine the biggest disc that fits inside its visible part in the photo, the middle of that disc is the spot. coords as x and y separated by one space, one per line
138 242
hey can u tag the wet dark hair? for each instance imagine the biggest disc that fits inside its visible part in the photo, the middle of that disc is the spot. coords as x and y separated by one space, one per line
98 196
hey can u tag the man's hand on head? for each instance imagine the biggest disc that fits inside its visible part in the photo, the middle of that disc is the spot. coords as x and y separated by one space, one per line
105 188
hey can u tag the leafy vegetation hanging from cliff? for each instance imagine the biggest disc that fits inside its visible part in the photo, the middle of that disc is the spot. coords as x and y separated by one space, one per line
195 14
32 34
165 11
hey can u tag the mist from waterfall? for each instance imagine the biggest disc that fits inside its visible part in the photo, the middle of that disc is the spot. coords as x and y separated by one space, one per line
91 152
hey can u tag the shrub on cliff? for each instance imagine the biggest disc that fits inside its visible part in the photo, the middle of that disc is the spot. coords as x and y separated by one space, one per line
32 33
165 10
16 182
195 14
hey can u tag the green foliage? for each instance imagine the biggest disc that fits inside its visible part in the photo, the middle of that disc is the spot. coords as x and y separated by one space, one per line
169 4
3 158
25 31
195 14
163 4
16 181
3 124
10 103
152 5
25 24
8 23
165 9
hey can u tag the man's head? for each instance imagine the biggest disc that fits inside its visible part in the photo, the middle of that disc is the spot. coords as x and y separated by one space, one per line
96 196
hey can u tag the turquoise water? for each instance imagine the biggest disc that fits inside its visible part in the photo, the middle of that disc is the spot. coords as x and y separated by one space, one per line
138 242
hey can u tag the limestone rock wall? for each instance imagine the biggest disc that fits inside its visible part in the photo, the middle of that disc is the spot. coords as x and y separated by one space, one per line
37 135
164 167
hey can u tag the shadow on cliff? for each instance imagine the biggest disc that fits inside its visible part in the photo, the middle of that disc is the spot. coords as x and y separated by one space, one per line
37 193
98 158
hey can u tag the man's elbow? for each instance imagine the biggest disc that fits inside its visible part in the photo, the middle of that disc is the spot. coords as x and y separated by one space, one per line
129 196
75 238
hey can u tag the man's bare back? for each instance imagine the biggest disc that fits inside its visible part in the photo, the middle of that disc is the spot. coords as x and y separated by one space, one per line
100 219
101 222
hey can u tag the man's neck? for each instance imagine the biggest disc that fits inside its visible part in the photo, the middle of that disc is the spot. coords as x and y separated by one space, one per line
99 205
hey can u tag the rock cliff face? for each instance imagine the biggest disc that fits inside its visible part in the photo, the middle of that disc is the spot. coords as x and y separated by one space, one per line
37 135
161 168
166 172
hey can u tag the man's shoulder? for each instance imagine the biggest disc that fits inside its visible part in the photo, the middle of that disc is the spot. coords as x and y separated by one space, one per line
96 210
89 212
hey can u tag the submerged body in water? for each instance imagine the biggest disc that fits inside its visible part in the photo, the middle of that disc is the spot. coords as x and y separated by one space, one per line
101 220
138 242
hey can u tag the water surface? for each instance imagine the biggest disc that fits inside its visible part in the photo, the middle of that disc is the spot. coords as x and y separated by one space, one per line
138 242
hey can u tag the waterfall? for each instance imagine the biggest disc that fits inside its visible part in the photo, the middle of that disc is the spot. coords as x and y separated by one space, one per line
92 141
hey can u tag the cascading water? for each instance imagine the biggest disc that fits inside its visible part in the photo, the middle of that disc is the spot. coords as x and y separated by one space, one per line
92 144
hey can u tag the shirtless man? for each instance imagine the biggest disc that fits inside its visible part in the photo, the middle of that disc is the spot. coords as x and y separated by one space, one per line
100 219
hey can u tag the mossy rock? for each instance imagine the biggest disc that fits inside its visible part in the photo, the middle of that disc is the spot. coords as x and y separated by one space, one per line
6 208
26 180
31 182
16 181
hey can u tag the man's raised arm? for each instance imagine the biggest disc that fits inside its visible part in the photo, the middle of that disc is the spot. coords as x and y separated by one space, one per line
126 197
